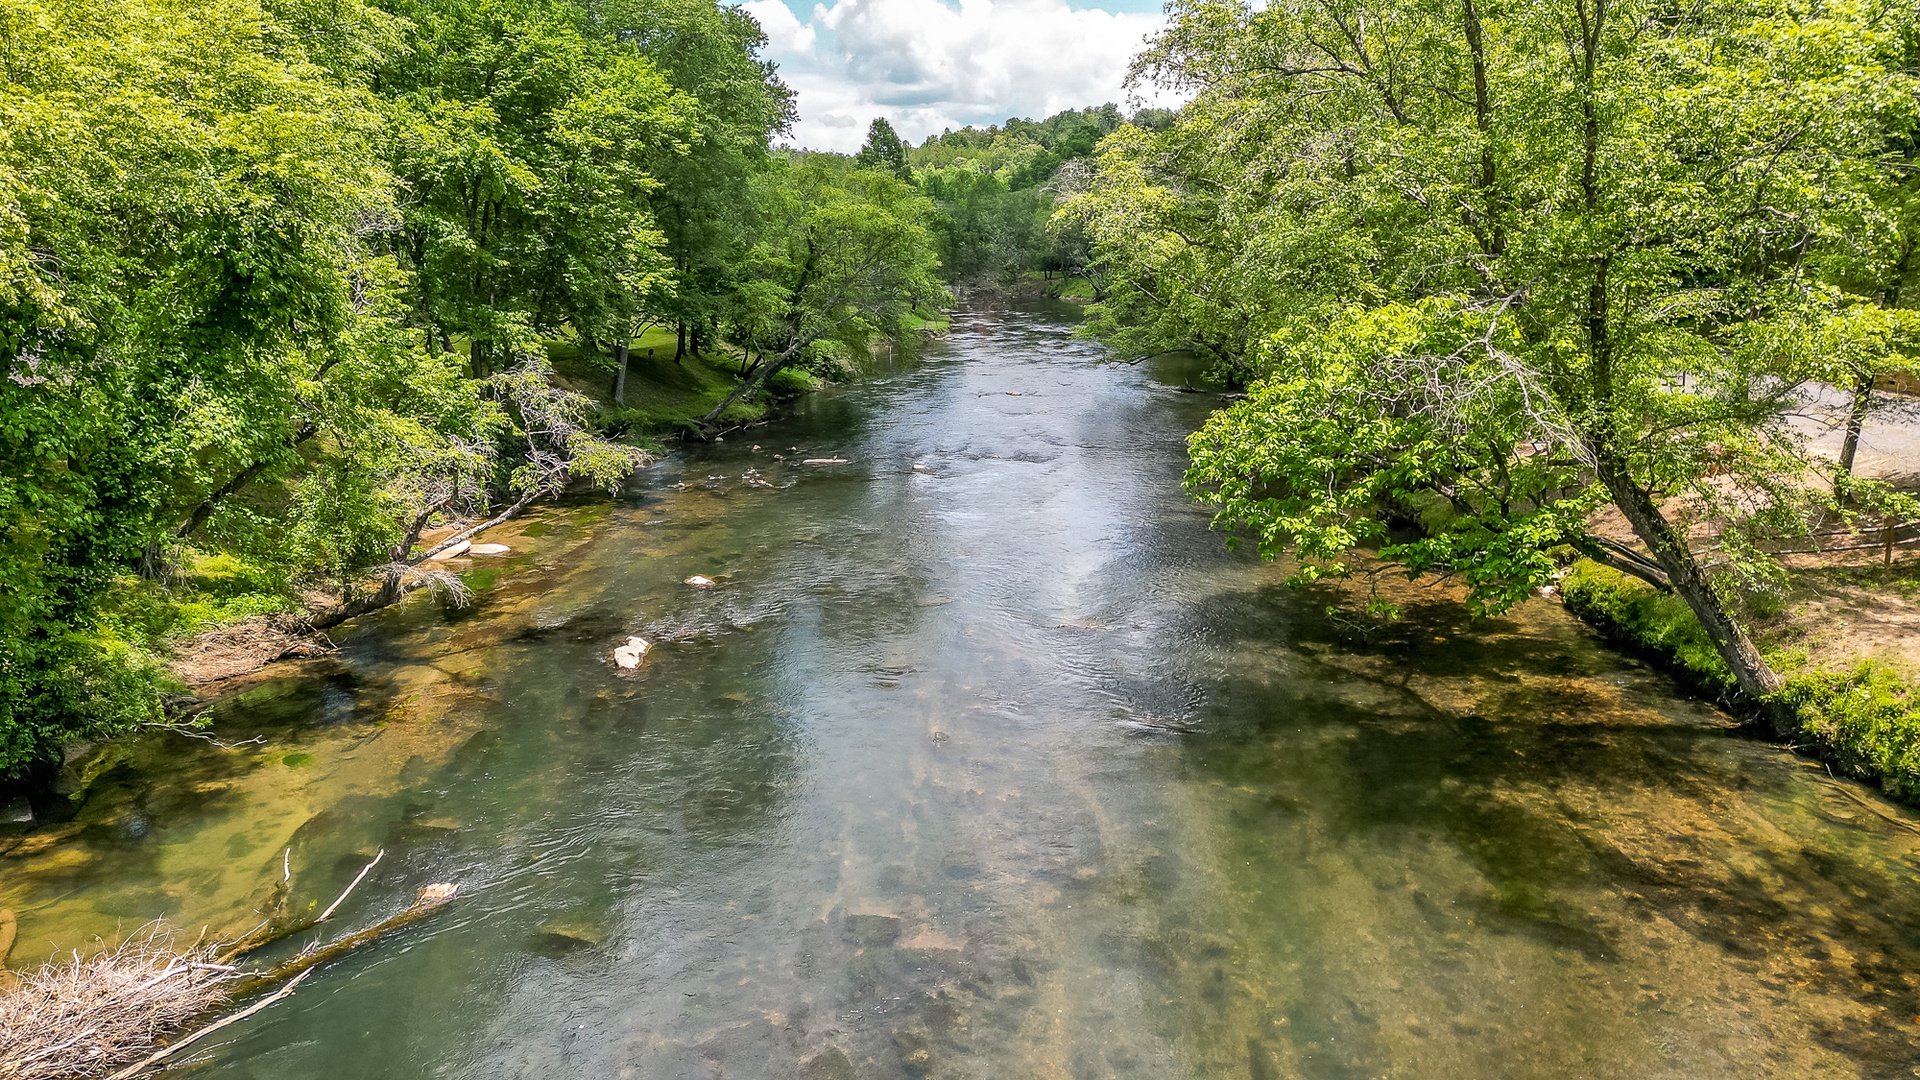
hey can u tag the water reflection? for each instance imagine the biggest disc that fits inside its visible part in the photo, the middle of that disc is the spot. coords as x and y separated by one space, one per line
986 760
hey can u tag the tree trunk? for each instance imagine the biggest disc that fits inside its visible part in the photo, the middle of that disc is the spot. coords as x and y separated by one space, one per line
680 342
393 584
754 382
1756 680
620 380
1856 420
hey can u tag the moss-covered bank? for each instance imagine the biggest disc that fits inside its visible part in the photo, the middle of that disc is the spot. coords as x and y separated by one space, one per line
1865 720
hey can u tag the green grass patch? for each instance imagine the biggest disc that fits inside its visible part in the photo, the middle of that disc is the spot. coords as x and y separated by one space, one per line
1075 288
206 593
937 322
662 395
793 381
1866 721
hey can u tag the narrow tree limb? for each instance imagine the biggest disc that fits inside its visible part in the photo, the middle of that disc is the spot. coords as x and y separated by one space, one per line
168 1051
331 908
1624 559
468 534
247 942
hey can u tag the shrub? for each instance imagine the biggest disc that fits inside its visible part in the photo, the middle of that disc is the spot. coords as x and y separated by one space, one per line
1868 719
793 381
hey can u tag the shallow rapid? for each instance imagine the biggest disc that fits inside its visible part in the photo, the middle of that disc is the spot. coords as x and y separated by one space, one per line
986 758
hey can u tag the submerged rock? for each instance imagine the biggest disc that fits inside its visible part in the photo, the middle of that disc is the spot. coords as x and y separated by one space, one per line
824 461
17 812
867 930
558 937
831 1064
701 581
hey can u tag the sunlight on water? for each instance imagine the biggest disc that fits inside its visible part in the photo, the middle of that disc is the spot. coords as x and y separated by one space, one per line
999 767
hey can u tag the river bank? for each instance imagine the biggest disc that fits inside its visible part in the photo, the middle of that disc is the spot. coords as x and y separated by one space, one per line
219 616
985 758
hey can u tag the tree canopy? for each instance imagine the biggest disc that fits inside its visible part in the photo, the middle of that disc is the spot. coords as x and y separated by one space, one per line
279 283
1493 267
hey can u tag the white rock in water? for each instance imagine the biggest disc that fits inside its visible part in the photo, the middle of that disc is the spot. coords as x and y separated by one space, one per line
700 581
824 461
488 549
628 655
919 467
455 551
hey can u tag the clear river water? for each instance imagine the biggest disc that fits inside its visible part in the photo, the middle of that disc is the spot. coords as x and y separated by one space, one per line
985 758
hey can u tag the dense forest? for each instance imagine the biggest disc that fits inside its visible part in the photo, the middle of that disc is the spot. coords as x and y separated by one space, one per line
283 286
297 296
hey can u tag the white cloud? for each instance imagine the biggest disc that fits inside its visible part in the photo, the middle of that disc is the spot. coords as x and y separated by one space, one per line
926 66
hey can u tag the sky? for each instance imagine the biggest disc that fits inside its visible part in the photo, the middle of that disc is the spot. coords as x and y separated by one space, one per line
928 65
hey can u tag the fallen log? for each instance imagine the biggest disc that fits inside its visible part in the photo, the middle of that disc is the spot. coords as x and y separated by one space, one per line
103 1011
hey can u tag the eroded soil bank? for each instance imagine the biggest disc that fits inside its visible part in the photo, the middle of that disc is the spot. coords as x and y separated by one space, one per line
985 759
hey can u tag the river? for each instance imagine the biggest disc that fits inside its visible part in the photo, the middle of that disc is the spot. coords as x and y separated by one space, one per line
986 758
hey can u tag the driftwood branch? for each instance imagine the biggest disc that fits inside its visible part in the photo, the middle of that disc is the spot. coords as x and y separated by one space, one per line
341 899
427 901
168 1051
80 1019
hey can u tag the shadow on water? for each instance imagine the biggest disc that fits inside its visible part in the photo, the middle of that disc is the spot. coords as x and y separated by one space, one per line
985 759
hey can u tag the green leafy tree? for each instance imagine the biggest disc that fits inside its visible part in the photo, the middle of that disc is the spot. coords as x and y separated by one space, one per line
178 208
1497 267
883 151
849 256
706 205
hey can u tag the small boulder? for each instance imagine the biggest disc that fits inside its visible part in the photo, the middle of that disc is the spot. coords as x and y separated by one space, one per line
701 581
833 1064
628 655
824 461
489 549
866 931
453 552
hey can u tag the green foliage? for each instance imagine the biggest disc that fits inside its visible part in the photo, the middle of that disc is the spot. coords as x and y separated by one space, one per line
1519 260
793 381
997 188
1866 720
1655 624
239 241
883 151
